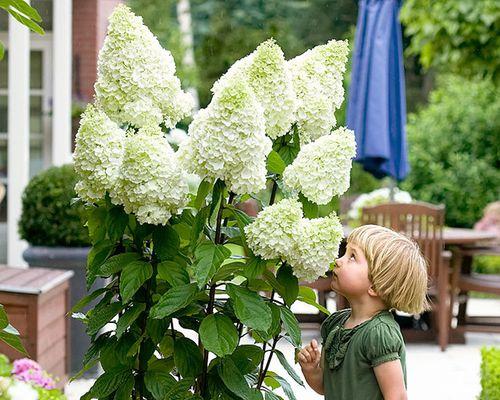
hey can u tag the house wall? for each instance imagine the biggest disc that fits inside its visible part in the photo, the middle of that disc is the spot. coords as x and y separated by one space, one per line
90 20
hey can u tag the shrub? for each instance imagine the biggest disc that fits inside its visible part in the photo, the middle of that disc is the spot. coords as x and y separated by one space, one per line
453 149
490 373
48 218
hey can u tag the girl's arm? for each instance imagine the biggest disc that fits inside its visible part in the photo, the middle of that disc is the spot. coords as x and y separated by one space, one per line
310 360
391 381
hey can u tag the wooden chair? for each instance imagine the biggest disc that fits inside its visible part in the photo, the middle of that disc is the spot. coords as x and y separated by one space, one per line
464 280
423 222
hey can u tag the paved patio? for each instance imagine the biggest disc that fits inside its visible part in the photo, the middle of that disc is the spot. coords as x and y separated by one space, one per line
432 374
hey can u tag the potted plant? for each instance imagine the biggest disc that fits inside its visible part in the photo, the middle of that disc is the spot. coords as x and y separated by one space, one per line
53 227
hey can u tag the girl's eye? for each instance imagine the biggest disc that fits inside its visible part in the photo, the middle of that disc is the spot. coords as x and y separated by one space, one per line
352 257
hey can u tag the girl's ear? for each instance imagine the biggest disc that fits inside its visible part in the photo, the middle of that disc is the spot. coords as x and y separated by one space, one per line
372 292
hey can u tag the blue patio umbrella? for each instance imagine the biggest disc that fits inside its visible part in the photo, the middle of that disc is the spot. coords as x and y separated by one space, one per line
376 110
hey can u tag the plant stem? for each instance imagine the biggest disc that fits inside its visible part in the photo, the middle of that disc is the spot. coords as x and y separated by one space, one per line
264 372
210 308
273 193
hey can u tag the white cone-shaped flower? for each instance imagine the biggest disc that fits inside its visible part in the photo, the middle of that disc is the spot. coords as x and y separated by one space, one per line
98 154
227 140
268 74
316 246
151 184
271 234
322 169
317 78
136 81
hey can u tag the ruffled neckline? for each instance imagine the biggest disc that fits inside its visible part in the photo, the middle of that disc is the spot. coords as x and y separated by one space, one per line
338 339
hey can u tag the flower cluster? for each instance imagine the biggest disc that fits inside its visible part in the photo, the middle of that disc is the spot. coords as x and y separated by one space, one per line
317 79
271 234
26 380
30 371
376 197
150 184
267 73
136 81
98 154
322 168
316 247
308 245
227 139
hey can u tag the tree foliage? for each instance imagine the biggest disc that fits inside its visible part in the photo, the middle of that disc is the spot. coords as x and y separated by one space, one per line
455 35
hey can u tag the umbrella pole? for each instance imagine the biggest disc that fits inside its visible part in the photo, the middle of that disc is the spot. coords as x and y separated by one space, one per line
392 185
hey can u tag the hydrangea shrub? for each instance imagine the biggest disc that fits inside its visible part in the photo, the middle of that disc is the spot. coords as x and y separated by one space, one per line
166 231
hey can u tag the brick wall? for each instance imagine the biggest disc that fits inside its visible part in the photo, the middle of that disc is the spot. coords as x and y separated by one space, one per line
90 19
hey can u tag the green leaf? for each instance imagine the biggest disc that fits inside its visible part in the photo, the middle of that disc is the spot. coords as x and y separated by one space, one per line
308 296
26 9
242 219
96 224
180 390
209 258
234 379
227 270
4 320
217 194
255 267
96 257
124 391
133 277
288 367
286 387
272 396
271 279
108 382
117 221
173 273
188 358
116 263
218 334
249 307
2 50
203 190
275 327
311 209
101 316
291 326
166 242
128 318
13 341
290 284
199 223
247 357
173 300
156 328
275 163
159 382
87 299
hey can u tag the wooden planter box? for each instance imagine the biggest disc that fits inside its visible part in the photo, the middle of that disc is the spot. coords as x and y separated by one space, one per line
36 301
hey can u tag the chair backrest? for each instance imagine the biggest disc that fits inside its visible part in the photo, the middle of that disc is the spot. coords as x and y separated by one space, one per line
423 222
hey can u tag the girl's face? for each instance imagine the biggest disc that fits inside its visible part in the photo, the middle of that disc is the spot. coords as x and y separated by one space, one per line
350 276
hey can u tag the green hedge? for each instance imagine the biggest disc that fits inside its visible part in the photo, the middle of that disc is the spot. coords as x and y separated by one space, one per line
48 218
490 373
454 145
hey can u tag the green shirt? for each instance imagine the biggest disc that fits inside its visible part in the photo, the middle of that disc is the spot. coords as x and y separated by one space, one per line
349 355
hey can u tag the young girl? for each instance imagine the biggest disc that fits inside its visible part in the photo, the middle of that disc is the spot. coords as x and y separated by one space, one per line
363 352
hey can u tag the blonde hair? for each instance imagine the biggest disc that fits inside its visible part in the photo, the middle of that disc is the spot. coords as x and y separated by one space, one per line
396 267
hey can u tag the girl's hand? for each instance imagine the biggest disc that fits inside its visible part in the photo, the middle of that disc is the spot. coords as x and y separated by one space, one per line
309 357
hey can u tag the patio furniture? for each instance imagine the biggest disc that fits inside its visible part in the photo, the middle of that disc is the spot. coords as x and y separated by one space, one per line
36 301
464 280
423 222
